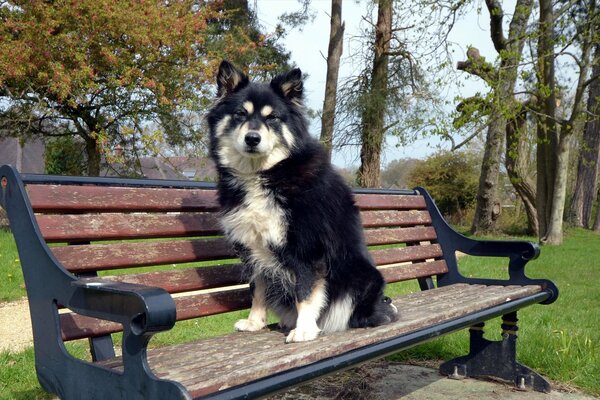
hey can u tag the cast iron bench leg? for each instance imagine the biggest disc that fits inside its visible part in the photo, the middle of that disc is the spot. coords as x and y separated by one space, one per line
496 359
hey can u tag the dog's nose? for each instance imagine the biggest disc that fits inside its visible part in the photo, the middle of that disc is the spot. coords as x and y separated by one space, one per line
252 139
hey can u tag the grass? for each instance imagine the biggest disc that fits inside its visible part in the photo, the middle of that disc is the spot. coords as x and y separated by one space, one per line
11 276
561 341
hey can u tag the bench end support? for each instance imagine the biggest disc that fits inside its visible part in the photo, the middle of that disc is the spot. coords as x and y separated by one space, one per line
496 359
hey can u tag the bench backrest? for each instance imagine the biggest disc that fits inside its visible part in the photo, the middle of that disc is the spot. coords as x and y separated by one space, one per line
113 227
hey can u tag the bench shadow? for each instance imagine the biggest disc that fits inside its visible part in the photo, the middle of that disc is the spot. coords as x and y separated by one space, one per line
376 380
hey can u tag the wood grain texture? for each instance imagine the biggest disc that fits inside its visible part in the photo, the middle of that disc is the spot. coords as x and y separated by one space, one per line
215 364
87 227
373 219
99 257
404 254
76 198
108 226
379 236
75 326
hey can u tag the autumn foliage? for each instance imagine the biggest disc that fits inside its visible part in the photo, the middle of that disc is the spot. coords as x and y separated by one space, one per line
126 73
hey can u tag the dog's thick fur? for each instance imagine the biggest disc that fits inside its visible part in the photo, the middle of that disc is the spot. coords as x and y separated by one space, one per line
290 216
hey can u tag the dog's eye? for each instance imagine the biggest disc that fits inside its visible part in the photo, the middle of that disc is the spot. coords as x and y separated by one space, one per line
241 113
387 300
272 117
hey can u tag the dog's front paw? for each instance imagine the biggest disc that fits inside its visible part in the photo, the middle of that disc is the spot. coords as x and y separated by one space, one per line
302 335
248 325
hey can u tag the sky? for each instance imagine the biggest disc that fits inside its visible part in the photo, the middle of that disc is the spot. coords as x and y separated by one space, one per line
308 49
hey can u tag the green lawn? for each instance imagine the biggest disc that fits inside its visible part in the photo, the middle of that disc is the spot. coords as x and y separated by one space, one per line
561 341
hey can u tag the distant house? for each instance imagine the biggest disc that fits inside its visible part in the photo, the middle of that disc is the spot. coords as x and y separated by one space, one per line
197 169
28 157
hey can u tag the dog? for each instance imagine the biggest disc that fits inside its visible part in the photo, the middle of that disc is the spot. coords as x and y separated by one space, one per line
290 217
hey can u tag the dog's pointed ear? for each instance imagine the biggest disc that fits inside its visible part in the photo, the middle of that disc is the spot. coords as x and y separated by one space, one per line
289 85
229 79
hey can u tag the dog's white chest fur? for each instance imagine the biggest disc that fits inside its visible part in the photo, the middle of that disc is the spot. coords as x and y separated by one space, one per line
260 224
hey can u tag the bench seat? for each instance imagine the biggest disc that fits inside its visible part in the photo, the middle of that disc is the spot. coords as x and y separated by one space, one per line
242 357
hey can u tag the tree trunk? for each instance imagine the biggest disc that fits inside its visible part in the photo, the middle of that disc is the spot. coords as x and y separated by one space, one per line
334 54
557 155
554 234
517 164
93 156
546 130
586 185
487 197
503 107
373 115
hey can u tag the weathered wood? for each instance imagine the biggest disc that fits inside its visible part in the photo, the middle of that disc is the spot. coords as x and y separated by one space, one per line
218 363
86 227
399 235
185 279
389 202
75 326
70 198
73 198
372 219
175 281
97 257
404 254
123 255
413 271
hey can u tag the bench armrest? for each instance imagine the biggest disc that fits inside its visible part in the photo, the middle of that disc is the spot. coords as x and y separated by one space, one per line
142 309
518 253
523 250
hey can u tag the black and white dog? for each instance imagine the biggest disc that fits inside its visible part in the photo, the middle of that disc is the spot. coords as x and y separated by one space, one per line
290 216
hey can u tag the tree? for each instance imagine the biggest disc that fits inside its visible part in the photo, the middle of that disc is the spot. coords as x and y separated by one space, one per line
388 86
65 156
373 113
502 110
451 178
123 74
588 168
396 172
555 133
334 54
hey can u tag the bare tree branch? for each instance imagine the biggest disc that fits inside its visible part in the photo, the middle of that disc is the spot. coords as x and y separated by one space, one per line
496 17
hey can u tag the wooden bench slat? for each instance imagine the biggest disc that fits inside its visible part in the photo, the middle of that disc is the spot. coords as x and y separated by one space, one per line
104 226
85 227
200 278
98 257
242 356
373 219
75 326
70 198
399 235
413 271
389 202
405 254
73 198
185 279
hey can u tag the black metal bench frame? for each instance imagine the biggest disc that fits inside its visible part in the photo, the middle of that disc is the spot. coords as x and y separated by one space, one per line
144 311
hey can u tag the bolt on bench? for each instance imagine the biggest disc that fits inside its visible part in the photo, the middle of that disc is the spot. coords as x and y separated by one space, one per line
105 225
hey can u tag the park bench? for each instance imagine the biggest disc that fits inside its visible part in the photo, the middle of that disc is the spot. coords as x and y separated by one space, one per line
82 242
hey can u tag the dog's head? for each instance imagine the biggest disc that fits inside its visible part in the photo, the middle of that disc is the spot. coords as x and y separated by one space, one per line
254 126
